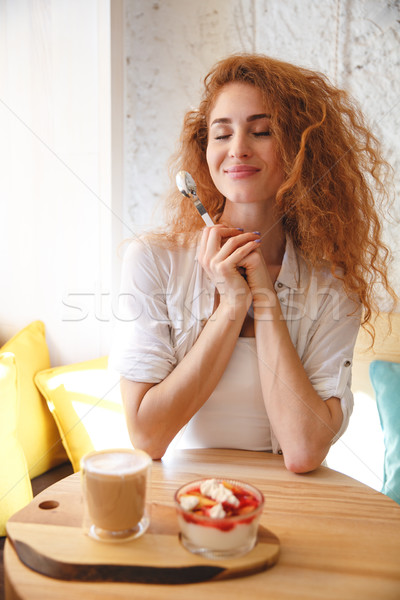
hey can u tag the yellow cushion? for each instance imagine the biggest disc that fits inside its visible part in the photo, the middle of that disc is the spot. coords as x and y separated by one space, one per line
85 401
36 429
15 485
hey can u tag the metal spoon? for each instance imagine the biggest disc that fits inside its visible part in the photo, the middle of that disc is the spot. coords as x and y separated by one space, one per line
186 185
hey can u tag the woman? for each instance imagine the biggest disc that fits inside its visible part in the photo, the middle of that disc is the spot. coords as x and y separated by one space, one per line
242 334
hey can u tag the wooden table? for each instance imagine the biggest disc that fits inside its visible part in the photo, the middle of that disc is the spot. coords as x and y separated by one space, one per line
339 538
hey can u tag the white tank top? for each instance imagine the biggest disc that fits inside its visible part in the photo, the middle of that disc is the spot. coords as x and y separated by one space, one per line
234 416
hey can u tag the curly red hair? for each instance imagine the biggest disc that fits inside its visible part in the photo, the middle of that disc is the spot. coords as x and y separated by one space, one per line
335 177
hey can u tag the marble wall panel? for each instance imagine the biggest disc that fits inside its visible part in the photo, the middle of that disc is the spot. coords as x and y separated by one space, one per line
171 44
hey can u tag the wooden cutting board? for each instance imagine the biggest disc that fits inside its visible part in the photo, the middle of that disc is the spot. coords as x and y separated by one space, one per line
63 551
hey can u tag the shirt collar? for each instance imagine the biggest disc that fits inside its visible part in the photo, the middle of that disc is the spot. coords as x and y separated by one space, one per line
289 275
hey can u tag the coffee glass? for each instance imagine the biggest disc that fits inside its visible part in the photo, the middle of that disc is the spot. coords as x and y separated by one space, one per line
115 486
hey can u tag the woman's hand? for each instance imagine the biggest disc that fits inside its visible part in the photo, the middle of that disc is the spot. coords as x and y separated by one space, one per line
222 251
257 274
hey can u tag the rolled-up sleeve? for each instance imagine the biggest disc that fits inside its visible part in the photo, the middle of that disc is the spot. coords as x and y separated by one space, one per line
328 355
142 349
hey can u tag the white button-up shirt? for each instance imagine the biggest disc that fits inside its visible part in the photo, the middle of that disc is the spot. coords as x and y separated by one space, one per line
165 300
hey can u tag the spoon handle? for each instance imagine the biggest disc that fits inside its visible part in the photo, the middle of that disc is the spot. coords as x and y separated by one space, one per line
207 220
202 212
186 185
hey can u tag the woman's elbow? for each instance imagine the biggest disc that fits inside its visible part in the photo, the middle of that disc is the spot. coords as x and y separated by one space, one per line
155 455
147 444
302 462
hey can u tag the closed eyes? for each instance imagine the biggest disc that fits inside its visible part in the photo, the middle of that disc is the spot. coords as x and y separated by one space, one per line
255 133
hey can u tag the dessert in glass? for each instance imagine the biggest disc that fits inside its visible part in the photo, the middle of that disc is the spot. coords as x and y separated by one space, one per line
218 518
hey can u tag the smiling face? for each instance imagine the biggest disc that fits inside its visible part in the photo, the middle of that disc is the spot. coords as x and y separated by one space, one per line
241 152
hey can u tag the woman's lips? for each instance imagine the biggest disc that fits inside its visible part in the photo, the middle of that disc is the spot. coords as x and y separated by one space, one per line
241 171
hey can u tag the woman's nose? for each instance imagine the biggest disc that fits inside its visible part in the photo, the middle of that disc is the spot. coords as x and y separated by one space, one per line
240 146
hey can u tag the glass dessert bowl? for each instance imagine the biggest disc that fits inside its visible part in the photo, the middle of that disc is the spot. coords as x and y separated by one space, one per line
218 518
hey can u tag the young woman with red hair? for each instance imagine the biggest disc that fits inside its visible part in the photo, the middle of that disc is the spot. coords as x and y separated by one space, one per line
241 335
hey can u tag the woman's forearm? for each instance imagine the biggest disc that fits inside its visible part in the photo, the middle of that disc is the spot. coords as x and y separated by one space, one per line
166 407
303 423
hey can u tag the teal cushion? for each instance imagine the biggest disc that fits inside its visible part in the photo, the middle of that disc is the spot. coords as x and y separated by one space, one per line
385 377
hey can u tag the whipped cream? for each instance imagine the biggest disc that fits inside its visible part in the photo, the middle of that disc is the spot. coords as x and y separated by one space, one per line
217 512
188 502
218 492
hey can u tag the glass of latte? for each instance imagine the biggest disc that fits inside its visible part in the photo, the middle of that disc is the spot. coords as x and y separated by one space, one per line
115 486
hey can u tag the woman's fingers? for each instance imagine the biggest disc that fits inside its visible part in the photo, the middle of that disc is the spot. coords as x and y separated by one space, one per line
257 275
222 250
229 238
233 243
224 262
218 235
213 238
223 241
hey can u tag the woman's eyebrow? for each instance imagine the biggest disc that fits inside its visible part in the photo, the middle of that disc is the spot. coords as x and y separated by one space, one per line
256 117
249 119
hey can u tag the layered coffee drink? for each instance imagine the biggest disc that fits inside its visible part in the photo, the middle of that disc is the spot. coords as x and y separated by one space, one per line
114 488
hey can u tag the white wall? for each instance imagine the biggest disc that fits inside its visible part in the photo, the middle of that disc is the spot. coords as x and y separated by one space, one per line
57 228
171 44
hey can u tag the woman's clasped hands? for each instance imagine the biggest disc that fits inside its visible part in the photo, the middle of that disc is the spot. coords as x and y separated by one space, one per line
227 254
